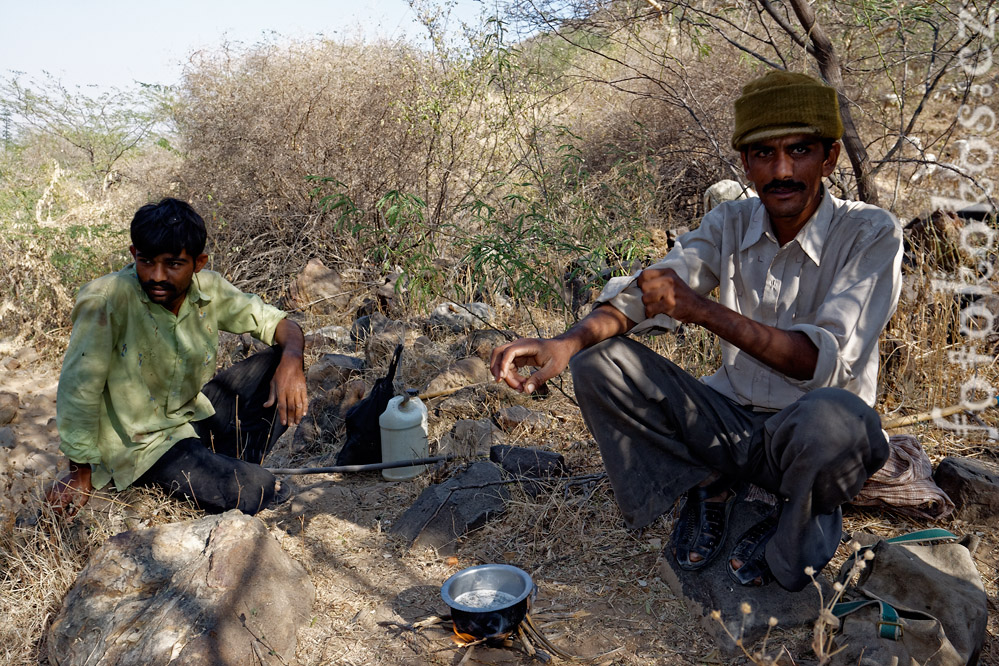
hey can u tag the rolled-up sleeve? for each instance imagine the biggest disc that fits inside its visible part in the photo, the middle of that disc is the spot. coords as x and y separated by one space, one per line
861 300
239 312
694 258
83 378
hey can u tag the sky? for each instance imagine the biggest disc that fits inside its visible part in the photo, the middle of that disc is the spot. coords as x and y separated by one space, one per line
117 42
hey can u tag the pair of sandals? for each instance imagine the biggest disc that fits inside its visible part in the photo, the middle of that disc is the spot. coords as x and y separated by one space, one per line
703 525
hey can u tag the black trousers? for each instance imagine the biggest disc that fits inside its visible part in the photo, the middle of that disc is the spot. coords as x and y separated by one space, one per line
220 469
661 432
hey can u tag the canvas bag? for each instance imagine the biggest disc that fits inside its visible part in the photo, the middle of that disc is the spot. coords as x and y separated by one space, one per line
920 600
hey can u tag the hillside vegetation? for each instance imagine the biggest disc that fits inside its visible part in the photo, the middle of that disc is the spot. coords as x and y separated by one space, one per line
558 145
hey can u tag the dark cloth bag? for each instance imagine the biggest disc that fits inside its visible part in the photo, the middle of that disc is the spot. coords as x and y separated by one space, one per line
363 444
920 600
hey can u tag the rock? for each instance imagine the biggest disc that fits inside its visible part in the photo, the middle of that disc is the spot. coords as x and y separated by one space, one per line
465 404
472 438
9 403
446 511
318 289
973 484
725 190
218 590
461 317
328 336
7 438
528 461
379 347
332 370
481 343
465 372
510 418
376 322
711 589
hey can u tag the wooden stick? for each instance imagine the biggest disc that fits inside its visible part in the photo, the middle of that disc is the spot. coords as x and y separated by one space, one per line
935 413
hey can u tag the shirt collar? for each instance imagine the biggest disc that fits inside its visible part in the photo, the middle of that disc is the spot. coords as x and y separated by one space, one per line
758 226
810 239
812 236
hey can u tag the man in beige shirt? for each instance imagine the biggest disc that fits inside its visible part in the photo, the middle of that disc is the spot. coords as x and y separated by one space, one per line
806 284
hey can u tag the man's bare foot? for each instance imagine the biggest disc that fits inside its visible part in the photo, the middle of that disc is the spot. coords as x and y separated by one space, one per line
737 564
71 492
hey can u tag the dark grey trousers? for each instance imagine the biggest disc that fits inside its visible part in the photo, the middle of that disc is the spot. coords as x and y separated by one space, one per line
220 469
661 432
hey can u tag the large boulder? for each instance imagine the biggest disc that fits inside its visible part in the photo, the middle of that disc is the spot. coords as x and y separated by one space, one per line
218 590
723 191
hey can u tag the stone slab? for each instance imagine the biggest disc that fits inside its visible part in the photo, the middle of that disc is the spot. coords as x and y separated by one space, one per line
446 511
711 589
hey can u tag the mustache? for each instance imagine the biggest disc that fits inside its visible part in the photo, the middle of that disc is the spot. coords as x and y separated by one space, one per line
165 286
783 185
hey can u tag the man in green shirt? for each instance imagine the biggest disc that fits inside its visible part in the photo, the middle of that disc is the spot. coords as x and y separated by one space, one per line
133 404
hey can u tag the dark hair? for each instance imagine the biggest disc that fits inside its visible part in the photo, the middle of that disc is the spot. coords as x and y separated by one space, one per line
168 227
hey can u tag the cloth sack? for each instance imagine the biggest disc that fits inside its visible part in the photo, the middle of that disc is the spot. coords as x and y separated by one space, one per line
905 483
920 601
363 444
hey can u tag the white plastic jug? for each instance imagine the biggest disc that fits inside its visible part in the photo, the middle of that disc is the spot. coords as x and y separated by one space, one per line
404 435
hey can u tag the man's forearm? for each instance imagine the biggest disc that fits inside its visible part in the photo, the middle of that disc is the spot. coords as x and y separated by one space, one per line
790 353
604 322
290 339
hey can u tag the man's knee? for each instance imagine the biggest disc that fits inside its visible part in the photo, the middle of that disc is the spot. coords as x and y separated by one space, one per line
841 420
830 440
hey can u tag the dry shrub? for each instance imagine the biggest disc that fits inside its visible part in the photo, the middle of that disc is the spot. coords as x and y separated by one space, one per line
372 118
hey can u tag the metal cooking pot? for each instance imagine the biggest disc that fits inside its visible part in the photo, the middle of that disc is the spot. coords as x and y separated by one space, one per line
494 598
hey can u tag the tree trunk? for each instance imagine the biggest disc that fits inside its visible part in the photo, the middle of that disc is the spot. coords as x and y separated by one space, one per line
829 65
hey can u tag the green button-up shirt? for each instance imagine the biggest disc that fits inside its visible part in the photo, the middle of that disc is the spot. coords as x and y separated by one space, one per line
132 375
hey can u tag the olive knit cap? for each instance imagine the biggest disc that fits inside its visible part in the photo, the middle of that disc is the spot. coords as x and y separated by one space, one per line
780 103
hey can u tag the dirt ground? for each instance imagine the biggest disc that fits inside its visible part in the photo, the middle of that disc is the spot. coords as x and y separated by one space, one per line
600 588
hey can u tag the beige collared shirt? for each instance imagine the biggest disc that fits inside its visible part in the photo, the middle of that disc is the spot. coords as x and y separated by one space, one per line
837 281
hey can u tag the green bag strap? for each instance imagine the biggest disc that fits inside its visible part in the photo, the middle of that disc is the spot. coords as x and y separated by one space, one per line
932 534
889 626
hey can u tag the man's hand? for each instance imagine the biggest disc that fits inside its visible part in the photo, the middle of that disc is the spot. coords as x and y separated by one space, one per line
663 292
551 357
71 492
288 390
288 384
791 353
